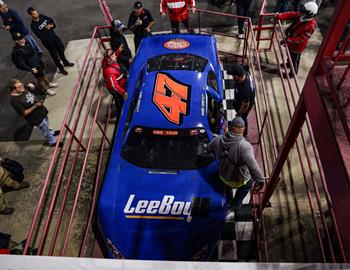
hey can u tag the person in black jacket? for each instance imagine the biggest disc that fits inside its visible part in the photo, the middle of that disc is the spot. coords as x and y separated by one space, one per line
43 27
244 93
140 23
117 38
26 58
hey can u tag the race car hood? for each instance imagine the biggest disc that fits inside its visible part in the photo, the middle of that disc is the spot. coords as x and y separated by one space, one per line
152 205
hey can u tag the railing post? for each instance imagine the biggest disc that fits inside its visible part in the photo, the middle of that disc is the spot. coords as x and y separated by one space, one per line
294 128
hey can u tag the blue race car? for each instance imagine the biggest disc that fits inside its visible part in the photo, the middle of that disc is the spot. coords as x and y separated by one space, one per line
161 198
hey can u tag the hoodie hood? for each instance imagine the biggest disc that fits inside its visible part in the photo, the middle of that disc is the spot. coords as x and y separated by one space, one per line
230 138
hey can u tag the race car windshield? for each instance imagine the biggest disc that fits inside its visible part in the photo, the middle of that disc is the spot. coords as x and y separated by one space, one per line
181 149
177 61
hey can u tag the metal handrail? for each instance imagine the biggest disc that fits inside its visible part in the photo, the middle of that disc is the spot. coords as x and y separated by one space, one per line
65 128
275 177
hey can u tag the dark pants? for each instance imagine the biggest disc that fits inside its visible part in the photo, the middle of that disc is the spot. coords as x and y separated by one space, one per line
281 6
242 10
57 54
237 106
175 26
236 202
119 101
295 60
42 78
138 38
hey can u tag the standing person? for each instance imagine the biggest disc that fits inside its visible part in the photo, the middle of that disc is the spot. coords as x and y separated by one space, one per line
242 10
7 181
140 23
244 93
14 24
178 12
43 27
114 77
299 32
26 104
238 168
26 58
117 38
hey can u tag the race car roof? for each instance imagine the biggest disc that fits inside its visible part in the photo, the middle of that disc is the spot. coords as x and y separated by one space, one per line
202 45
160 105
161 111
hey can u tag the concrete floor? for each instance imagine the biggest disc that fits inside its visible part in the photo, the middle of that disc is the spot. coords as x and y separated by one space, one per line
289 240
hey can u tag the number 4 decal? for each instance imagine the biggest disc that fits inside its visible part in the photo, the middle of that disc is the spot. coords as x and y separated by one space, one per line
172 97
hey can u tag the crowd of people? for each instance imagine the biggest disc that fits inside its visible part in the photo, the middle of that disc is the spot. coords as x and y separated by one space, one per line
27 55
238 168
27 99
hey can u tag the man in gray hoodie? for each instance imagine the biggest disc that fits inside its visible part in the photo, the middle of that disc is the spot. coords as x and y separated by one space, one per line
238 168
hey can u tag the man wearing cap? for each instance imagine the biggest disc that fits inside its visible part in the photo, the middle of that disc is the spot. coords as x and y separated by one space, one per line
117 39
14 24
244 93
140 23
238 168
178 12
26 58
43 27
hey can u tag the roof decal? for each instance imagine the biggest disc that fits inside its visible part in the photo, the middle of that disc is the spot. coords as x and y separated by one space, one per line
176 44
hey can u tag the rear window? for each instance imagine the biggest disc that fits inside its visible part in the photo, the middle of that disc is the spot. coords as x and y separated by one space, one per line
176 149
177 61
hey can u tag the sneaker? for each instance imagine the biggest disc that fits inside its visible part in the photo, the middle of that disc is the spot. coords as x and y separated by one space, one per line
68 64
56 132
63 71
7 211
53 85
50 92
230 217
24 184
241 36
59 145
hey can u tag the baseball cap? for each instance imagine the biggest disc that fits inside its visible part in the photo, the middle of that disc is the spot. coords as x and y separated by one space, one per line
117 24
137 5
237 122
235 70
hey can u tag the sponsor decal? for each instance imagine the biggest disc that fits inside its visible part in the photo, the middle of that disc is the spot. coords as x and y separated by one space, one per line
203 105
176 44
167 208
173 98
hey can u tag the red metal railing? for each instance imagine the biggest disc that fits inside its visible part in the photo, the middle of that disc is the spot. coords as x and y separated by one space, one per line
292 92
85 100
105 11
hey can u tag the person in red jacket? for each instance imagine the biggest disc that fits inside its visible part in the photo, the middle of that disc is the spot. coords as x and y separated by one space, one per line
178 12
113 76
299 32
